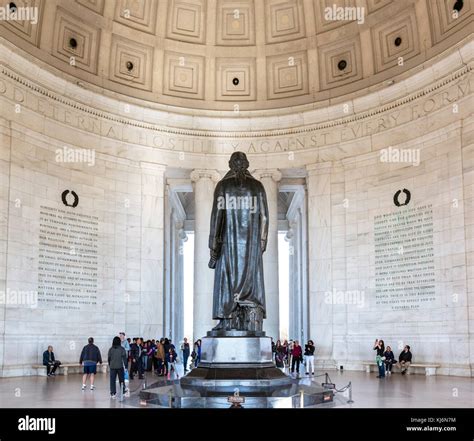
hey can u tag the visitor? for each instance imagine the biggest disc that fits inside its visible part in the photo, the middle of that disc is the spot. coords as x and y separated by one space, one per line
404 359
171 361
125 343
285 352
136 353
309 355
185 350
148 356
152 363
297 356
289 353
50 362
379 346
193 357
117 359
279 354
166 345
389 360
160 358
144 357
197 349
90 356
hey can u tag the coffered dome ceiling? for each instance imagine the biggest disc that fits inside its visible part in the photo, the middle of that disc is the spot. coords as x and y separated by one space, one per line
238 54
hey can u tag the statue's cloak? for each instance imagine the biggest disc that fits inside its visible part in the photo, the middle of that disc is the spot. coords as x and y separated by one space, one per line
238 235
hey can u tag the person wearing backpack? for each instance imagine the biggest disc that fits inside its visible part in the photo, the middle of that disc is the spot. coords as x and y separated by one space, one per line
136 353
160 358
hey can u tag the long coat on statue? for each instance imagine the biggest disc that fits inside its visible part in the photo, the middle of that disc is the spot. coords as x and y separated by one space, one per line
238 237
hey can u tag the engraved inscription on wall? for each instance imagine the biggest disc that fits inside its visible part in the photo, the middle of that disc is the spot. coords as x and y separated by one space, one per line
67 261
404 258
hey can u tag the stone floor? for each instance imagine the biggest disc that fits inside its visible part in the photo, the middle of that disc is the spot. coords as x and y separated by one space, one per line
367 391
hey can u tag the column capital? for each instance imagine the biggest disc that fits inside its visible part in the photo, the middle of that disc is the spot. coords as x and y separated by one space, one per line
200 173
180 229
272 173
291 232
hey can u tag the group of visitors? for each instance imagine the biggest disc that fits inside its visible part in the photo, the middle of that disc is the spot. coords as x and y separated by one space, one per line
130 357
289 355
385 359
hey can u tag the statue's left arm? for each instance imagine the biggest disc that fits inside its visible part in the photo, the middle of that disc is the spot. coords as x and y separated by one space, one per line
263 219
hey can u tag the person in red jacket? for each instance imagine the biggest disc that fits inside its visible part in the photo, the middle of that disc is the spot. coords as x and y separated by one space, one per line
297 357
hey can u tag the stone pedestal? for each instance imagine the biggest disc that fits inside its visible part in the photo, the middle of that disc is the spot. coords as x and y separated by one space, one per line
241 359
233 360
236 351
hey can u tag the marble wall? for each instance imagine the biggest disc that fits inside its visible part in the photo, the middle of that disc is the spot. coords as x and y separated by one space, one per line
345 199
127 199
339 145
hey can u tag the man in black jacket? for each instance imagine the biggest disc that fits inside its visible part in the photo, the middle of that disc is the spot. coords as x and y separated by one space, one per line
90 356
404 359
50 362
136 354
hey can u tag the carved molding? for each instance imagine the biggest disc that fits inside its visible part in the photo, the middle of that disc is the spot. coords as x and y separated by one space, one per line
270 173
339 122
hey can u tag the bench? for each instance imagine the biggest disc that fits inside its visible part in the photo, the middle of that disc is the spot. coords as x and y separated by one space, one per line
430 369
66 368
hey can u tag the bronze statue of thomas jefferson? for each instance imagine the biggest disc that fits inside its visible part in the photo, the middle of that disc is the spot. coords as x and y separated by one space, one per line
237 240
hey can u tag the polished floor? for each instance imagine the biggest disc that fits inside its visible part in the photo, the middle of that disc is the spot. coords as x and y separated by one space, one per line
367 391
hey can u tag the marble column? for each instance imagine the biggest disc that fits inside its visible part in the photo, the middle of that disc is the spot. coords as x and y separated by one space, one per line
174 294
204 182
320 260
271 324
293 312
152 250
296 236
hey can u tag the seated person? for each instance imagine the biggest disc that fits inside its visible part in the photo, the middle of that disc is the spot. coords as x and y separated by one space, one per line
50 362
404 359
389 360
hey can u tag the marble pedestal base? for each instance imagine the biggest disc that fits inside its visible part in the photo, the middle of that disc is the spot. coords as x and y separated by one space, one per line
236 360
233 350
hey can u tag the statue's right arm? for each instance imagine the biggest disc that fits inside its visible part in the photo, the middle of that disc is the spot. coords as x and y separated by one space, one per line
263 219
217 222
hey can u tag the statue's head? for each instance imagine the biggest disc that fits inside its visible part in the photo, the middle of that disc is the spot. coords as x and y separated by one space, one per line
238 162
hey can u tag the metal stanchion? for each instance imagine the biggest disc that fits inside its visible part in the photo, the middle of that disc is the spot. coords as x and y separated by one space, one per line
350 400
